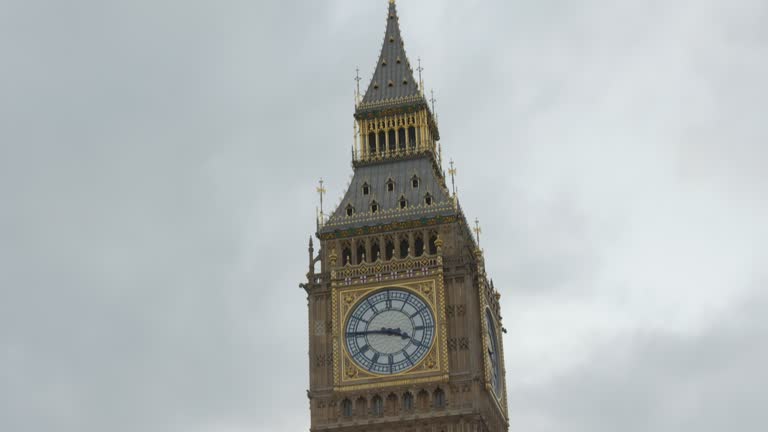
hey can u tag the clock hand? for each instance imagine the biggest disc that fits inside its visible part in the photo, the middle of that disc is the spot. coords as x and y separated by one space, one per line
383 331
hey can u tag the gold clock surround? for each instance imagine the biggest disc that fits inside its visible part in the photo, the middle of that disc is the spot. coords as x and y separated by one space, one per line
348 376
485 305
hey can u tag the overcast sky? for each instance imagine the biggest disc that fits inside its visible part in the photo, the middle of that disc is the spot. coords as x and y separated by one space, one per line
158 160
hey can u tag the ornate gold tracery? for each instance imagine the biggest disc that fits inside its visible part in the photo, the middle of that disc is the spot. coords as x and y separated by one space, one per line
374 135
422 277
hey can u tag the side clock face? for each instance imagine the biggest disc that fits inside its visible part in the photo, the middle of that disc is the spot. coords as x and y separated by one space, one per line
389 331
493 354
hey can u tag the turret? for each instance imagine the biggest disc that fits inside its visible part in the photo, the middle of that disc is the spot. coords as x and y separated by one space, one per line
394 119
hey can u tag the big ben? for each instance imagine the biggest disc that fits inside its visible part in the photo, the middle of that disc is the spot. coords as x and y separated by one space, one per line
404 323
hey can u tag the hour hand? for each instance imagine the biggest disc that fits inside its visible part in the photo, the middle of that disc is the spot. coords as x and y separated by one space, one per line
396 332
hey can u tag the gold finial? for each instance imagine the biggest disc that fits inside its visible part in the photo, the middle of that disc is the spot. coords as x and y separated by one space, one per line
357 79
355 148
433 100
478 231
452 172
321 190
421 81
439 245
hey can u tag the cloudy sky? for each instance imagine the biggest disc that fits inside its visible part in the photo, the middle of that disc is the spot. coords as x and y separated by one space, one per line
158 160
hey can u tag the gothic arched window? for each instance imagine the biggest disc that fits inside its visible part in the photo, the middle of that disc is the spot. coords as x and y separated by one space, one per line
366 189
360 254
389 250
403 248
428 200
374 207
439 398
392 140
377 406
375 251
412 137
415 182
407 401
403 202
433 244
346 408
350 210
390 185
401 138
418 246
372 143
382 142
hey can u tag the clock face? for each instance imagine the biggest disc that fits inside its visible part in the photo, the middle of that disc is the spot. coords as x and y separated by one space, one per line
493 354
389 331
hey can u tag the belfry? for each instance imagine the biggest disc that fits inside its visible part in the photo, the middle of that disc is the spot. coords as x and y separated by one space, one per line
405 325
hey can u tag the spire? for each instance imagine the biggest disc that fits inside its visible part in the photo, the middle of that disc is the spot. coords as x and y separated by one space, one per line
393 78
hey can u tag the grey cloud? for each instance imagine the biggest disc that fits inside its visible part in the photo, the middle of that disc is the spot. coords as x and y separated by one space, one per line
655 380
157 170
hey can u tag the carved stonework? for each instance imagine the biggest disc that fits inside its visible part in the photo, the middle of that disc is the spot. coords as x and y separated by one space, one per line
400 235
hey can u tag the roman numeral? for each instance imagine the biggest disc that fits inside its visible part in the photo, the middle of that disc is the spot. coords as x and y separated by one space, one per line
418 312
364 349
373 306
405 302
375 358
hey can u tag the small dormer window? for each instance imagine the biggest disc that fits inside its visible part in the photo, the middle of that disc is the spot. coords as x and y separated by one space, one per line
350 210
366 189
415 182
390 185
374 207
403 202
428 200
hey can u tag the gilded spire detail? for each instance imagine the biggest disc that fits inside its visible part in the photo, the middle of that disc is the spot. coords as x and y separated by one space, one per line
478 231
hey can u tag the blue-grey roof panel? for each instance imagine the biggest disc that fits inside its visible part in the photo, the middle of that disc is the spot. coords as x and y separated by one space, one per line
401 174
393 78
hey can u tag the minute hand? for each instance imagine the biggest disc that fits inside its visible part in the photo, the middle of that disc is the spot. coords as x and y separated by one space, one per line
384 331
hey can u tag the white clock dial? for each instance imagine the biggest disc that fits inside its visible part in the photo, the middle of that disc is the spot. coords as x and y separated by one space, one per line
493 353
389 331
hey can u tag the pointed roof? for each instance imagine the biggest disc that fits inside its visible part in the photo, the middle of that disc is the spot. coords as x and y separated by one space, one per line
393 78
377 177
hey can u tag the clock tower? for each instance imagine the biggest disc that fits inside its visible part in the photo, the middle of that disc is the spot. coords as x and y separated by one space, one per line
404 323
